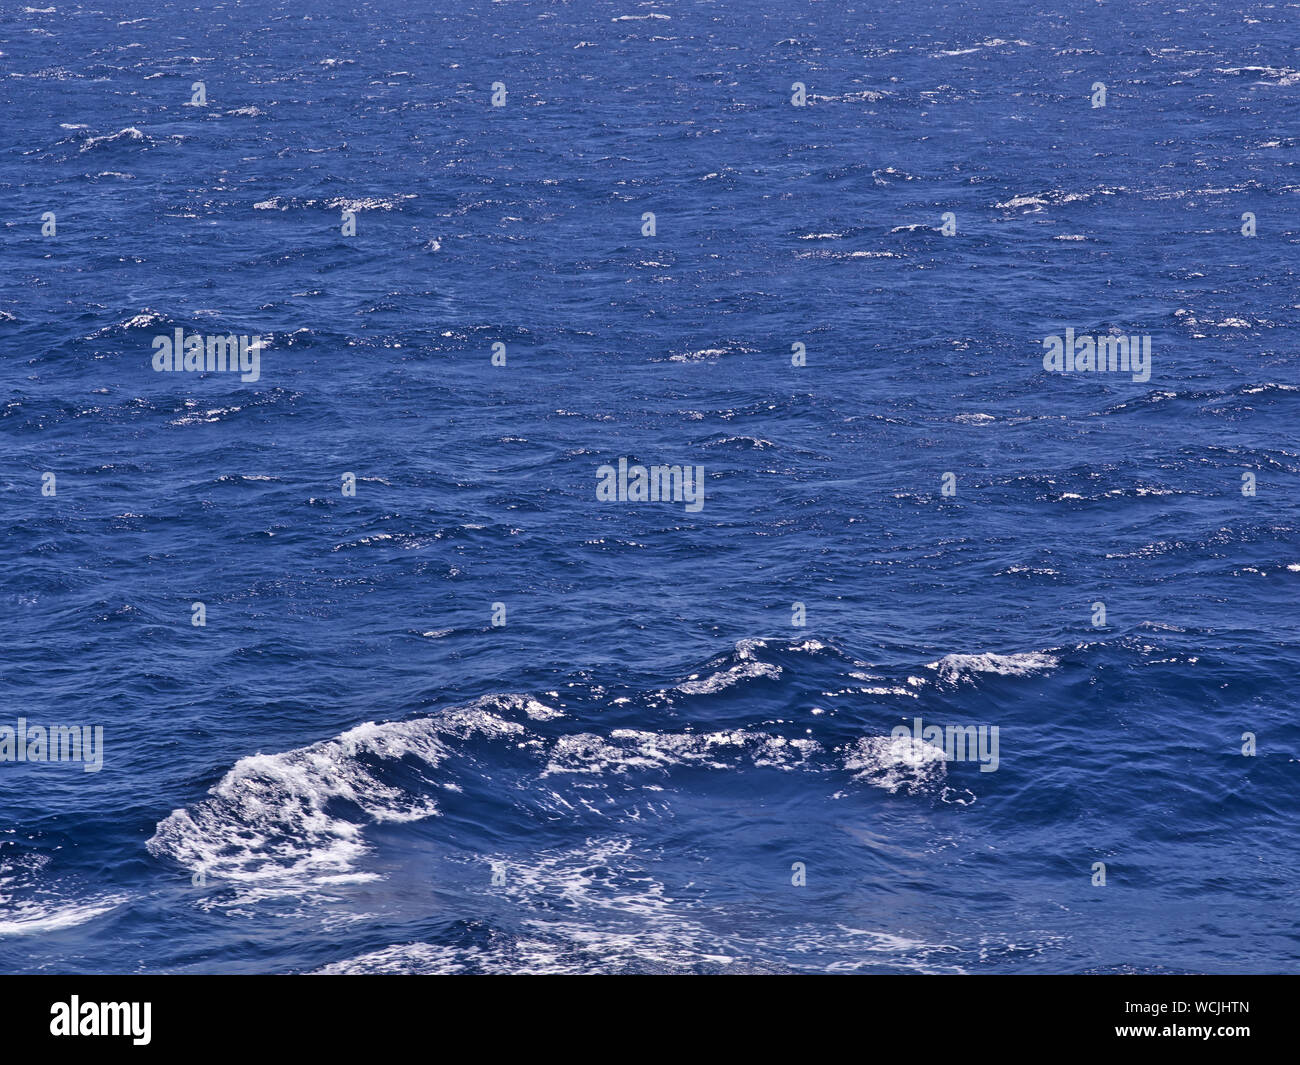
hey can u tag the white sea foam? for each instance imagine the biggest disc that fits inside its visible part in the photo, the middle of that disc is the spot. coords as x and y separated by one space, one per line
128 134
35 918
745 670
603 906
365 203
636 749
897 763
702 355
276 824
954 668
267 817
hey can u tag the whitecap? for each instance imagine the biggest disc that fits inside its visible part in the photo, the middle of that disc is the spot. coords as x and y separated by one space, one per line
956 667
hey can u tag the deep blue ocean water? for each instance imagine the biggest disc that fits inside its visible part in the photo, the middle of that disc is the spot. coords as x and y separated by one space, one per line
350 768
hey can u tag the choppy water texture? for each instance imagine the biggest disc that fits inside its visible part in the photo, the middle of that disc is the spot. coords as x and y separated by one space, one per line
363 774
